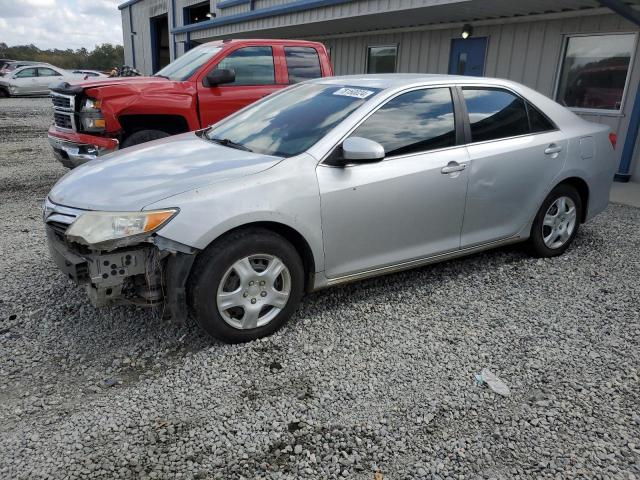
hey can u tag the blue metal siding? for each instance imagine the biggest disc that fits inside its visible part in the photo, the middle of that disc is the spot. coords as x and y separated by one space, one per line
292 7
231 3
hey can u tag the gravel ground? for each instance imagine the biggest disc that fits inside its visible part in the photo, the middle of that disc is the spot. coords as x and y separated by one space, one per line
375 376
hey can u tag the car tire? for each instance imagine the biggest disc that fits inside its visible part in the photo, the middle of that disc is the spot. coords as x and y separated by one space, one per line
557 222
3 93
237 276
143 136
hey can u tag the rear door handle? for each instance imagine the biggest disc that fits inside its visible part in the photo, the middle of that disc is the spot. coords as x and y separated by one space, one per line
453 167
553 148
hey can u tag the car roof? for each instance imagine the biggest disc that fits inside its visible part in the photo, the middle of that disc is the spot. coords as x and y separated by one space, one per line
394 82
399 80
33 64
262 41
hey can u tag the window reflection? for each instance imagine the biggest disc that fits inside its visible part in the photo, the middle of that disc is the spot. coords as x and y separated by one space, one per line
594 71
382 59
291 122
252 66
413 122
495 113
302 63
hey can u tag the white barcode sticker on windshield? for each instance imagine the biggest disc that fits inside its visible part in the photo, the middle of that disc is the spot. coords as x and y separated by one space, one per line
353 92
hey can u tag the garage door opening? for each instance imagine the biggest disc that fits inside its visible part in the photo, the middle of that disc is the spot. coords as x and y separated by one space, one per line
160 55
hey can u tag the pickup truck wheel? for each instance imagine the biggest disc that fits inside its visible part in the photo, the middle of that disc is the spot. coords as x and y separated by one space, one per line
556 223
143 136
246 285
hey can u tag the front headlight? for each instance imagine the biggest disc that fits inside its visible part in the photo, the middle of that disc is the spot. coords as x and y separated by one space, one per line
98 227
91 104
91 117
92 124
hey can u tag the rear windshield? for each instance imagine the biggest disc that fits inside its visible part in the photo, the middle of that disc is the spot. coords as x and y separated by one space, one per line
291 122
189 63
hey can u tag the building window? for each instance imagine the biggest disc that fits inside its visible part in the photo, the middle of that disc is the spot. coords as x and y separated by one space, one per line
382 59
252 65
302 63
595 71
413 122
196 13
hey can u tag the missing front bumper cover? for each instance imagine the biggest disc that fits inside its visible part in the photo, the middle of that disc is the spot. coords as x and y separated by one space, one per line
144 274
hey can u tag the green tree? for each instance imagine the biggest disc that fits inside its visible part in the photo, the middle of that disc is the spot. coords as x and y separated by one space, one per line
102 57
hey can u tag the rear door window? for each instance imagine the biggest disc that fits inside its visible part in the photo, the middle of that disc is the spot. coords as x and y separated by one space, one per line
48 72
495 113
413 122
303 63
252 65
26 73
538 121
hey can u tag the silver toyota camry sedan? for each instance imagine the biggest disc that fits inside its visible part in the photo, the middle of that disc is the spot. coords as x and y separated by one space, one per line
326 182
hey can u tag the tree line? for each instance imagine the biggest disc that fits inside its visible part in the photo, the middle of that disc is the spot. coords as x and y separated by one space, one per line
102 57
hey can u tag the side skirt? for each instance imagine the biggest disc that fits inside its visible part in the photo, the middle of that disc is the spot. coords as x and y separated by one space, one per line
321 281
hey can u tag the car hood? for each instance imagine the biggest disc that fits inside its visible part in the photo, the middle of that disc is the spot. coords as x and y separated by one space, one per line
130 179
106 87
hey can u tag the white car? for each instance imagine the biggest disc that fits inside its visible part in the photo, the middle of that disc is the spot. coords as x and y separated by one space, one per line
90 74
33 80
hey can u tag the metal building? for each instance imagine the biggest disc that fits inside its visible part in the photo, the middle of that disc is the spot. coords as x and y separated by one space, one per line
583 53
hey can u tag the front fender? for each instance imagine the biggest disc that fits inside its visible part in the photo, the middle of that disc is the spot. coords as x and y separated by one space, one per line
286 194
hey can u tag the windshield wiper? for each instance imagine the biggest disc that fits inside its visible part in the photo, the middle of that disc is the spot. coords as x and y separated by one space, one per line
231 144
162 76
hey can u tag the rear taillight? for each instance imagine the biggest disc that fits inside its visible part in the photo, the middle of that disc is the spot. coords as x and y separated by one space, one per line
613 138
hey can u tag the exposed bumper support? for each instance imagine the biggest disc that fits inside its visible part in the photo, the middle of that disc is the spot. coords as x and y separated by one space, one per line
73 149
143 274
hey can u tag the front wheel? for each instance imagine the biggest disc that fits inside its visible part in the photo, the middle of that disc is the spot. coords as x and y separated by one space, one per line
246 285
143 136
556 223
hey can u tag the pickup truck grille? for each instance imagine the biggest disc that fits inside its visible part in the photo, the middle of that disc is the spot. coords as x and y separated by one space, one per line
63 120
61 102
64 110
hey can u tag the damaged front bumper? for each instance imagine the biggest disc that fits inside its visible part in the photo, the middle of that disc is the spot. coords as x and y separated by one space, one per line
73 149
149 274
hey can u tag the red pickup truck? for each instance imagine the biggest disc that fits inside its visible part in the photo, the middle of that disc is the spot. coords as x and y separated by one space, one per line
203 86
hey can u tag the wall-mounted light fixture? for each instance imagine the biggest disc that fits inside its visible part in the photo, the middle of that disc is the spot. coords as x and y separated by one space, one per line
467 31
211 15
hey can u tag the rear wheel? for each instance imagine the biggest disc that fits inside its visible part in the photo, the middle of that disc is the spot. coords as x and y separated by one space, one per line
143 136
246 286
556 223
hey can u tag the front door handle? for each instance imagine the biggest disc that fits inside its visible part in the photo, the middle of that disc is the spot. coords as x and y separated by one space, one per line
453 167
553 149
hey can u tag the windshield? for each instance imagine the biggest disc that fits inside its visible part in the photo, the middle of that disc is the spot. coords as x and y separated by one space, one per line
288 124
189 63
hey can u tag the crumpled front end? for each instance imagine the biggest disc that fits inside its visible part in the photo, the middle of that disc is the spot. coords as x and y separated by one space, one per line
150 273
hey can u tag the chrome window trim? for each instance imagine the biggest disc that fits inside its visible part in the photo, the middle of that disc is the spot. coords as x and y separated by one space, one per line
424 87
625 91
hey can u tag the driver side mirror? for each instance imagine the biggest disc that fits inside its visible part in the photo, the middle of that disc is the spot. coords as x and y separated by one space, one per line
357 150
219 76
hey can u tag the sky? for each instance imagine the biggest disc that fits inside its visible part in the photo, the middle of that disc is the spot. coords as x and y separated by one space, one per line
60 23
